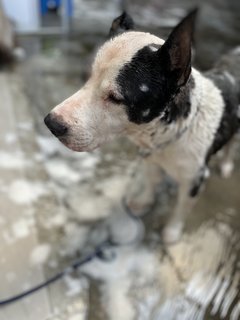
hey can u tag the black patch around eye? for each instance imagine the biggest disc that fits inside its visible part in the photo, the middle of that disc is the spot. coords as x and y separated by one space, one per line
148 90
142 84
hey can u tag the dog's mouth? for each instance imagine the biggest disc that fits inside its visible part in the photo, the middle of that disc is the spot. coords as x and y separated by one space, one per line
85 141
77 146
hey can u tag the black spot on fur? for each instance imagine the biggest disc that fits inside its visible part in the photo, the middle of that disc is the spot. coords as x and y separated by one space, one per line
162 95
229 124
197 183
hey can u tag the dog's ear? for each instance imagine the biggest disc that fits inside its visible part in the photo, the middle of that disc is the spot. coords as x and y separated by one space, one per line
175 54
121 24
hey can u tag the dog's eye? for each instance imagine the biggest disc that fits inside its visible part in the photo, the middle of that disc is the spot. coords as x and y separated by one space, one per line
114 99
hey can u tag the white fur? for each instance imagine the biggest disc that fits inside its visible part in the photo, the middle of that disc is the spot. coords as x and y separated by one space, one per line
144 88
154 49
146 112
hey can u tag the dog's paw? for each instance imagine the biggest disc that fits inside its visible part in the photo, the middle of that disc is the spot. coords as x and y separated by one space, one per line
172 233
139 208
226 169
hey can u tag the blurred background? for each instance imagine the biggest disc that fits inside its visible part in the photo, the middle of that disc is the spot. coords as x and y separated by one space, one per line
54 203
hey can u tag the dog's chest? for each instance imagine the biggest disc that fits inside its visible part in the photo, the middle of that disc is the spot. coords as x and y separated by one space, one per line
175 153
179 161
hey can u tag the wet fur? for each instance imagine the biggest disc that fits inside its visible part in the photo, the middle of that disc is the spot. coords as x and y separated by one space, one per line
146 89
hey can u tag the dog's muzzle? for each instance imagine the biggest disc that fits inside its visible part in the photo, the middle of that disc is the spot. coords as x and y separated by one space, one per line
55 125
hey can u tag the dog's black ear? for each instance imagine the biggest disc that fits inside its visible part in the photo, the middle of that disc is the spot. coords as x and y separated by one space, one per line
121 24
175 54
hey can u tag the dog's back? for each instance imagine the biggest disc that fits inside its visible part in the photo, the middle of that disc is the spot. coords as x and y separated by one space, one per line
230 62
229 65
226 76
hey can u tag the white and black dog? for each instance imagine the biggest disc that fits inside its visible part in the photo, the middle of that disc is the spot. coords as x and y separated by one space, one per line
145 88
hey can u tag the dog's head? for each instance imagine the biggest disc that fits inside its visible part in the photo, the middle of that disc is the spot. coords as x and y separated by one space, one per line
133 78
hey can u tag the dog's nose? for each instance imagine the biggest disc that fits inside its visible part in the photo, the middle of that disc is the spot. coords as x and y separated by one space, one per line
57 127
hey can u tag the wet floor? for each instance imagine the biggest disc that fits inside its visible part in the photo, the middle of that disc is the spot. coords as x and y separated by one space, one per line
56 205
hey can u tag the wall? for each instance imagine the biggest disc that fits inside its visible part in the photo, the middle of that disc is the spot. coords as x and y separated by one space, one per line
25 13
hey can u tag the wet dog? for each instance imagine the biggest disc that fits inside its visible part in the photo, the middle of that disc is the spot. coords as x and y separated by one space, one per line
145 88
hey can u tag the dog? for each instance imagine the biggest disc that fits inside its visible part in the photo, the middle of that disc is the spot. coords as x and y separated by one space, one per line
145 88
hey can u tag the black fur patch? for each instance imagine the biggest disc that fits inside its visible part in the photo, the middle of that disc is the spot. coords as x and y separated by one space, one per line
121 24
229 124
197 183
161 95
180 106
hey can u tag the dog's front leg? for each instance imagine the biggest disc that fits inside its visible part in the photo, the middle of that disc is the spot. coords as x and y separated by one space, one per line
141 192
185 202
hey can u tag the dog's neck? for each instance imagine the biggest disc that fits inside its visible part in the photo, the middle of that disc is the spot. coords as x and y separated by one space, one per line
164 130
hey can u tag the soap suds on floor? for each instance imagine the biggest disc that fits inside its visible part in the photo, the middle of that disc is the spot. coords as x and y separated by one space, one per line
74 285
74 238
61 172
26 126
118 279
58 220
14 160
25 192
40 254
116 298
10 138
78 316
21 228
